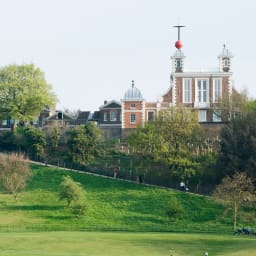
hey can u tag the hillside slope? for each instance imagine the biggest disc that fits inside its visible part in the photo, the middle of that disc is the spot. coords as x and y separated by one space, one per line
112 205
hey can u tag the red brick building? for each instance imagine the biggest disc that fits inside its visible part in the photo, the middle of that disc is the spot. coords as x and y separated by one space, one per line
202 90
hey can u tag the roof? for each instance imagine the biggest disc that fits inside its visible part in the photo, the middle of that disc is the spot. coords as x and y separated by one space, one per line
111 104
83 115
133 93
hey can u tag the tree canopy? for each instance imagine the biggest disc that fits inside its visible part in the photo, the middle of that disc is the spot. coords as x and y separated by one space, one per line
238 143
24 92
83 142
171 139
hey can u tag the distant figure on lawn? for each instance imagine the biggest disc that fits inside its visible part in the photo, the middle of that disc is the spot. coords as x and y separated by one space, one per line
141 179
182 186
206 254
115 172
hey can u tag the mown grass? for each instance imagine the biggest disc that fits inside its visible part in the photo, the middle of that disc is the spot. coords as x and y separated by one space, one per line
113 205
123 243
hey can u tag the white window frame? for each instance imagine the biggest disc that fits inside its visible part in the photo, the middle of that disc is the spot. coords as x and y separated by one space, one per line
187 90
202 95
216 115
202 115
4 122
113 116
133 118
105 116
217 90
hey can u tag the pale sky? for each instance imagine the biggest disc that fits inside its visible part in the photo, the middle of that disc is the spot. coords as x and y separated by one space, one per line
90 50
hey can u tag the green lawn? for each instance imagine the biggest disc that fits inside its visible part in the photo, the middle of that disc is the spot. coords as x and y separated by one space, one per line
113 205
123 244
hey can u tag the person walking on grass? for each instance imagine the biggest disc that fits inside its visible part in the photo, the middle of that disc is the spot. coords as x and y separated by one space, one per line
115 172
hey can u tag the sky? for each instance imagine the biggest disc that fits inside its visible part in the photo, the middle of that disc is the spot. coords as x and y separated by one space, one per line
91 50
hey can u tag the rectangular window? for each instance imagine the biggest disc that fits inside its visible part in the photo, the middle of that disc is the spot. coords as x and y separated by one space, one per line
105 116
133 119
202 91
113 116
216 116
187 91
217 90
202 116
4 122
150 115
133 105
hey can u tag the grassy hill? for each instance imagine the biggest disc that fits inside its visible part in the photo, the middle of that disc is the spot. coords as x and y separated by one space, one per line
113 205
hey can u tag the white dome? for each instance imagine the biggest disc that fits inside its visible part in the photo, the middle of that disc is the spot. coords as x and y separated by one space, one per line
178 54
133 93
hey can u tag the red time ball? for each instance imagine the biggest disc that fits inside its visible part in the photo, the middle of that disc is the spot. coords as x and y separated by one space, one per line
178 44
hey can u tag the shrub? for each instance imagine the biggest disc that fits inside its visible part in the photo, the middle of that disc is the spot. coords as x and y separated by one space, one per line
14 173
174 209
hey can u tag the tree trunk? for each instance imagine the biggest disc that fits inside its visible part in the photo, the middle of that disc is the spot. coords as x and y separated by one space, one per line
235 215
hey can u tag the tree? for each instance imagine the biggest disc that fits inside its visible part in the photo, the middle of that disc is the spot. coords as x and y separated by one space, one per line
14 173
235 191
171 139
238 144
83 142
71 191
24 92
35 140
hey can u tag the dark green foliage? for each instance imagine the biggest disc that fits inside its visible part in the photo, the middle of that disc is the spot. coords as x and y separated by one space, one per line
238 145
83 142
34 141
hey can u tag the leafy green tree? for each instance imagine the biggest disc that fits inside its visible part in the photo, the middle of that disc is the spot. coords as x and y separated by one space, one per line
172 139
71 191
24 92
235 191
83 142
14 173
238 145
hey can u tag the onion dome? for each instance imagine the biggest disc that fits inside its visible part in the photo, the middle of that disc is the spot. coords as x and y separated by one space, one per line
133 93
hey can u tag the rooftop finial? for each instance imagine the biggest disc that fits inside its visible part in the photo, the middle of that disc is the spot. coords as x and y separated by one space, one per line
178 43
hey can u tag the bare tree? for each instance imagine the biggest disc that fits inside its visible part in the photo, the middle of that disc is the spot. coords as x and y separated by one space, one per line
235 191
14 173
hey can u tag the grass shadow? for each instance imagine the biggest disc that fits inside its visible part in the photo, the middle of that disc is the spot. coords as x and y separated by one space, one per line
36 207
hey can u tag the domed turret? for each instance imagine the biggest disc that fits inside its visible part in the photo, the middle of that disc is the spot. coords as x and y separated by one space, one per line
133 93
